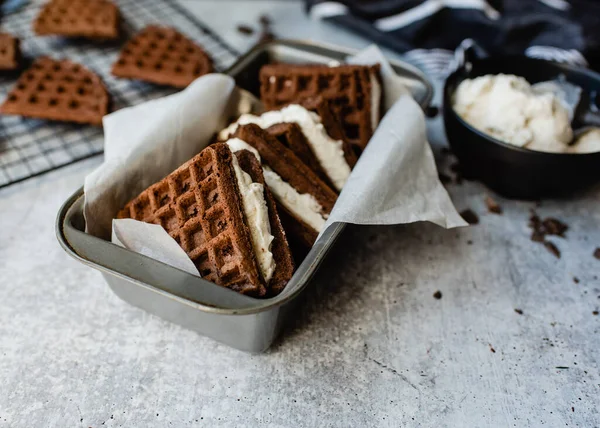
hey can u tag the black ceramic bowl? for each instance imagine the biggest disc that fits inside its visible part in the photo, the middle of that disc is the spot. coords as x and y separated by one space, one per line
509 170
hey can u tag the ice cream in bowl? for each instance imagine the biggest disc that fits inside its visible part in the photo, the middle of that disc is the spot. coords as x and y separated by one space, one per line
518 125
510 109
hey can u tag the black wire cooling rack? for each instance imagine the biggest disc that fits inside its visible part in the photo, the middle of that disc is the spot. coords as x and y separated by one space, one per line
30 147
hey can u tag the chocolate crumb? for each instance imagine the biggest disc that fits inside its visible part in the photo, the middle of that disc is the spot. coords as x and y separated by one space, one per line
576 280
245 29
597 253
437 294
265 20
492 349
573 409
548 226
492 205
553 226
535 222
445 179
552 248
469 216
519 311
594 312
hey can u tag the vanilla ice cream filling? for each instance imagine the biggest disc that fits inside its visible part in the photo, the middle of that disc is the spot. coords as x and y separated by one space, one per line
329 152
302 205
257 216
375 100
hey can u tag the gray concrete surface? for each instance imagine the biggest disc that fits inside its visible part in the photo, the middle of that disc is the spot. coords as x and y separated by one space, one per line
371 347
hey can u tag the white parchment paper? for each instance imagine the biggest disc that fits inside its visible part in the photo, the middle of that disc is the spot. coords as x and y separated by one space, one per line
394 182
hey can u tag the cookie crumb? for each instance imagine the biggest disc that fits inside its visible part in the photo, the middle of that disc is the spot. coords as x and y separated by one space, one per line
492 349
245 29
469 216
492 205
519 311
265 20
597 253
576 280
595 313
553 226
552 248
437 294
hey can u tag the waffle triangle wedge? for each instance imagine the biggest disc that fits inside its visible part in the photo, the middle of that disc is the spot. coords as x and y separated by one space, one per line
163 56
94 19
58 90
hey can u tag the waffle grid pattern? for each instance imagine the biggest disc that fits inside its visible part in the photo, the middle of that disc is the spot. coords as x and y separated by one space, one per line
346 87
89 18
30 147
192 205
163 56
58 89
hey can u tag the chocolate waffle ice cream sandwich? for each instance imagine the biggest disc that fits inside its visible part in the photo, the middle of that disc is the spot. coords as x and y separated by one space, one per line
355 91
335 156
164 56
304 200
218 209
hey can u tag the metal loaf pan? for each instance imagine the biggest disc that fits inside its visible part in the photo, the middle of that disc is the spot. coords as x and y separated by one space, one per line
239 321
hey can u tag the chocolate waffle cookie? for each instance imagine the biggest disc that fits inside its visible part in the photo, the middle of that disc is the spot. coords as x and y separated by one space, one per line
304 200
10 52
96 19
164 56
201 207
354 90
58 90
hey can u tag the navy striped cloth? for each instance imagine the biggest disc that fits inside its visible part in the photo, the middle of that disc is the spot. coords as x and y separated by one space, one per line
433 33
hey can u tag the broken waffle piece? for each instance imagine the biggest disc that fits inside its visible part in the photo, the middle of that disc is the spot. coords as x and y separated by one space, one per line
354 90
222 219
163 56
58 90
10 52
94 19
